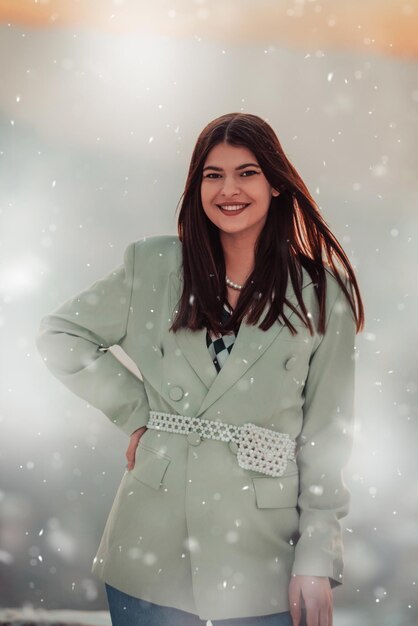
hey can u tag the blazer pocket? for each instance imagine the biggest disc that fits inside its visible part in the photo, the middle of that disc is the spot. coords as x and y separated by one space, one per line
150 466
280 492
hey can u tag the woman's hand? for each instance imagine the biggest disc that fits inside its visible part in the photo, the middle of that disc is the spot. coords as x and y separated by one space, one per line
317 595
133 444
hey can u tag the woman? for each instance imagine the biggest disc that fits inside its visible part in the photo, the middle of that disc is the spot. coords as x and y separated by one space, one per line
243 329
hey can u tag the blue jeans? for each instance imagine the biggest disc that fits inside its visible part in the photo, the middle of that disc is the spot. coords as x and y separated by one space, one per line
125 610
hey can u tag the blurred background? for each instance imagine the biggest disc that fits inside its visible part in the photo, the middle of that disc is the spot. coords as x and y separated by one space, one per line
101 103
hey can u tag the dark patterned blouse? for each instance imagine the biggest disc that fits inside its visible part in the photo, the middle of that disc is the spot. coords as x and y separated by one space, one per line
220 346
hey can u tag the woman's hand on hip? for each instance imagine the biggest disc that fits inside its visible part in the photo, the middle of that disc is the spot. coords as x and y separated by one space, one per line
133 444
317 595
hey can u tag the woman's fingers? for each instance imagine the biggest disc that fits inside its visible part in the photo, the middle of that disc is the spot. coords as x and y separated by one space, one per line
318 613
317 598
295 601
130 455
330 614
324 616
133 444
312 612
319 605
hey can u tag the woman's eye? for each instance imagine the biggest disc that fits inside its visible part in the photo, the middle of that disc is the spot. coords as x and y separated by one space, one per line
243 173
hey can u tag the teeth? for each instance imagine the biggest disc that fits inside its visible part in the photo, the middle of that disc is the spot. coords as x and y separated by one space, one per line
232 207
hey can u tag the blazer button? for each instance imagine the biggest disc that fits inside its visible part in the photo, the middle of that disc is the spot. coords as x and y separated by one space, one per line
194 439
233 446
290 363
176 393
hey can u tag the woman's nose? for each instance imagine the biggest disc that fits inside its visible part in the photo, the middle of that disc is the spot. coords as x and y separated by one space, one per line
229 187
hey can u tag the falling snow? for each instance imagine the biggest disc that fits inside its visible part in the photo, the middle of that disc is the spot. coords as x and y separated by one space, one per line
74 192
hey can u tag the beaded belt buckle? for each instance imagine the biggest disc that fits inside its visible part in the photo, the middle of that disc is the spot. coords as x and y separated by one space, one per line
264 450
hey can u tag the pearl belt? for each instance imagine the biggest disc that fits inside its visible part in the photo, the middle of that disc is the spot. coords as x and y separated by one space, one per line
259 449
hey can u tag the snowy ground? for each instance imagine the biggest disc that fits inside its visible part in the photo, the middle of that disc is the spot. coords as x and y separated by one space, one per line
40 617
36 617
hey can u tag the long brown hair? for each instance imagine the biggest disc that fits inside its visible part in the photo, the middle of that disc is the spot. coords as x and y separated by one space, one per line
295 235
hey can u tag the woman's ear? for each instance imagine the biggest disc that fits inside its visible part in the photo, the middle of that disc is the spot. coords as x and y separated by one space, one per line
275 193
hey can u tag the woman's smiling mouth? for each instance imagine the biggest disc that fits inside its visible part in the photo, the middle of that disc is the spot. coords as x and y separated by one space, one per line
232 209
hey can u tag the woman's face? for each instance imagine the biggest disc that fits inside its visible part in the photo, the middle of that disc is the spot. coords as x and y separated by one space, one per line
232 177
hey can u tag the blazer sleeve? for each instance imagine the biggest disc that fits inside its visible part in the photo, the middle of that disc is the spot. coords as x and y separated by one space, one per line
325 445
74 342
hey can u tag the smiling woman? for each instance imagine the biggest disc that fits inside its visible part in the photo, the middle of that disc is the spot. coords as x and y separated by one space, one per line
229 509
245 256
234 188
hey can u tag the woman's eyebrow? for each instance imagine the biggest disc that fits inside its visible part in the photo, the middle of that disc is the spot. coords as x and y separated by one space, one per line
219 169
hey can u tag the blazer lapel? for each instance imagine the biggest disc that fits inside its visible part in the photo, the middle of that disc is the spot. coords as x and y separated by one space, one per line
250 343
192 343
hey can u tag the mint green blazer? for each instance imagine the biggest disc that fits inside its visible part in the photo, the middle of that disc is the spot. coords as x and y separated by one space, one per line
189 528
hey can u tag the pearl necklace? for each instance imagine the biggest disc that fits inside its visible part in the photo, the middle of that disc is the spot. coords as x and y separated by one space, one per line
232 284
